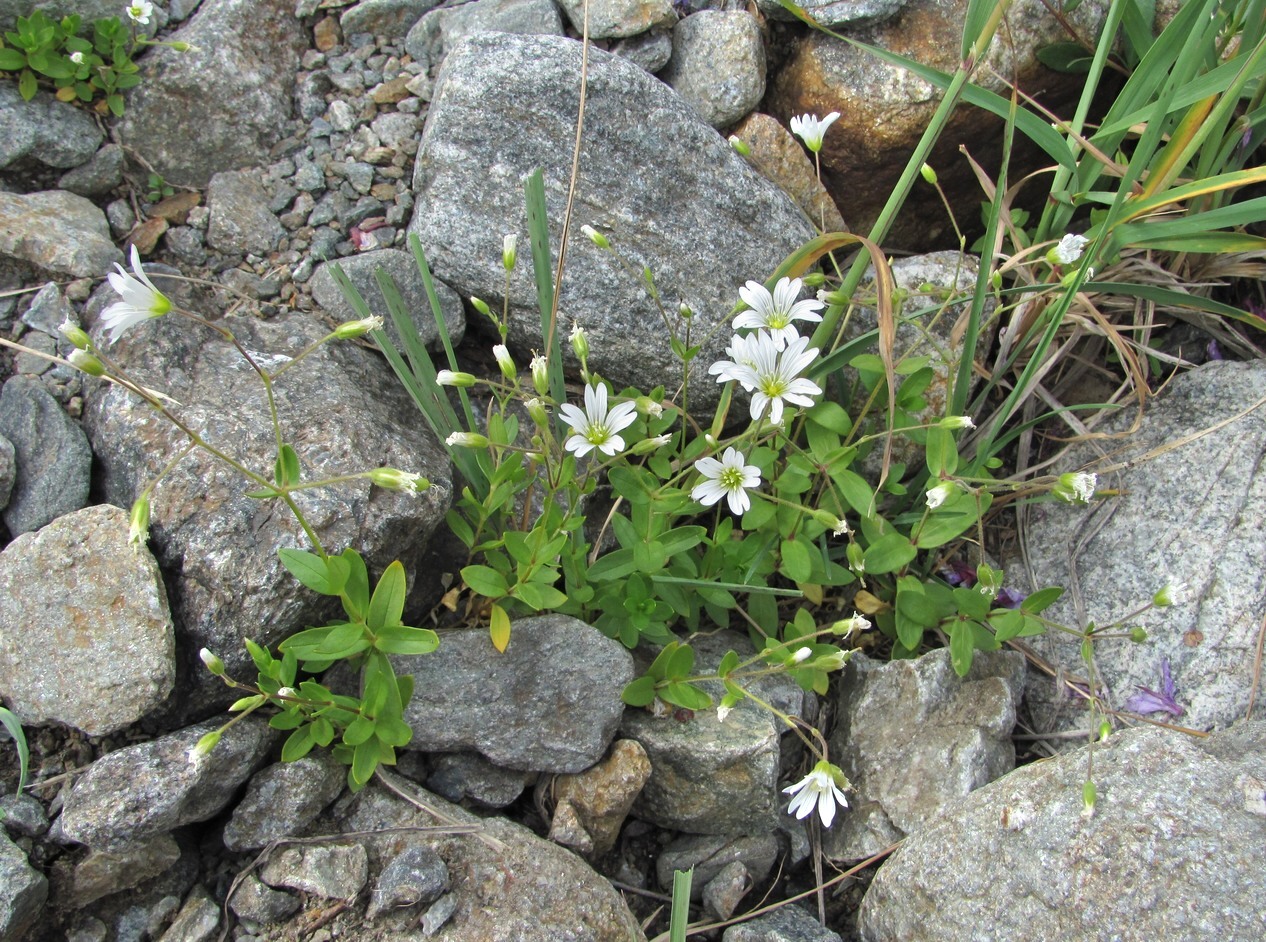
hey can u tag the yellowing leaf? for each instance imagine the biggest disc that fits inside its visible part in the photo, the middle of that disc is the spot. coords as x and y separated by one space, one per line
499 628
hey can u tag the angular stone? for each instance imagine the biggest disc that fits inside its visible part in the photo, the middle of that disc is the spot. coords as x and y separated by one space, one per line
718 65
283 799
53 459
49 309
1171 852
50 131
785 924
331 871
86 636
417 876
196 921
8 471
343 412
462 775
388 18
403 270
709 856
259 902
914 738
104 872
1184 515
650 51
240 220
614 19
23 891
599 799
225 102
139 791
440 30
835 14
724 891
549 703
99 175
704 224
778 155
57 232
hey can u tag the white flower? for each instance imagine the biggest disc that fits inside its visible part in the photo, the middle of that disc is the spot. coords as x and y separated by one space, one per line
729 478
466 440
803 654
141 300
810 129
139 11
505 361
775 312
1171 593
957 421
509 251
596 427
722 712
818 790
77 58
1076 487
772 376
1069 249
940 494
848 627
396 480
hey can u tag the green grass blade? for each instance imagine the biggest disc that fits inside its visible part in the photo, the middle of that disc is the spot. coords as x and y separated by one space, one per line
538 234
681 905
14 727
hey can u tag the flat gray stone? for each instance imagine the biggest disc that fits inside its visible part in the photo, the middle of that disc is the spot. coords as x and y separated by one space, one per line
1171 852
255 900
54 462
708 856
57 232
331 871
104 872
241 222
834 14
462 775
49 309
718 65
417 876
615 19
154 787
1190 514
914 738
23 891
550 703
785 924
86 637
440 30
704 223
99 175
8 471
49 131
283 799
388 18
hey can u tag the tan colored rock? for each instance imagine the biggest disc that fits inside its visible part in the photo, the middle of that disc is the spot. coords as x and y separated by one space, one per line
326 34
592 805
779 156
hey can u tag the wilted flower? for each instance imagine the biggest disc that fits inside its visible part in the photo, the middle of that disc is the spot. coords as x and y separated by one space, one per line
1068 250
1171 593
811 129
141 300
595 427
396 480
1075 487
776 312
771 375
286 692
351 329
1149 701
138 521
139 11
957 421
821 789
467 440
847 627
540 375
729 478
941 493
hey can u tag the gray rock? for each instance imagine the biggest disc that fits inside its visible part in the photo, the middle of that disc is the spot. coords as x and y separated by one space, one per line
704 224
23 815
57 232
835 14
98 176
650 51
196 921
417 876
241 222
550 703
120 216
31 363
440 30
726 890
283 799
403 270
1184 515
914 738
258 902
331 871
615 19
104 872
186 244
461 775
49 309
718 65
8 471
709 856
785 924
53 459
23 891
397 130
87 637
343 410
223 104
1171 852
389 18
151 788
47 130
509 885
180 10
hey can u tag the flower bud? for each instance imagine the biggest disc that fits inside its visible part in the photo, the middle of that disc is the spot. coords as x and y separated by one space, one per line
75 334
138 521
684 311
509 251
996 280
452 378
213 663
1171 593
834 661
801 655
833 523
351 329
740 146
540 415
649 407
393 479
579 342
648 446
181 46
1138 635
481 306
856 558
957 421
596 237
815 279
847 627
833 298
942 492
505 361
85 362
286 693
1088 795
466 440
928 174
540 375
204 746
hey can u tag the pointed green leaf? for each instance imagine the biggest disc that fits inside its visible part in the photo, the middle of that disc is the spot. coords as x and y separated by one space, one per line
387 605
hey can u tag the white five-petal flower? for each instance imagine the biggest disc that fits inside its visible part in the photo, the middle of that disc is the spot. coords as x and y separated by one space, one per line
139 11
1069 249
141 300
776 312
729 478
811 129
771 375
597 427
77 57
818 790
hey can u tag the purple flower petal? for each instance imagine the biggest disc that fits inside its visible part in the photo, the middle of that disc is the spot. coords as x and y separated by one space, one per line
1149 701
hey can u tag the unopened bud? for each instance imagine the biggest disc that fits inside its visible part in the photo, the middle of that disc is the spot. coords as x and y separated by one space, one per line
75 334
834 661
480 305
957 421
204 746
138 521
684 311
928 174
396 480
351 329
579 342
648 446
213 663
540 415
815 279
505 361
596 237
454 378
740 146
856 558
284 693
466 440
801 655
509 253
85 362
181 46
649 407
540 375
1138 635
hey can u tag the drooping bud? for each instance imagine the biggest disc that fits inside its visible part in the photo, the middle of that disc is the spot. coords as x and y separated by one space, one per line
466 440
85 362
454 378
505 361
213 663
596 237
396 480
138 521
349 330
